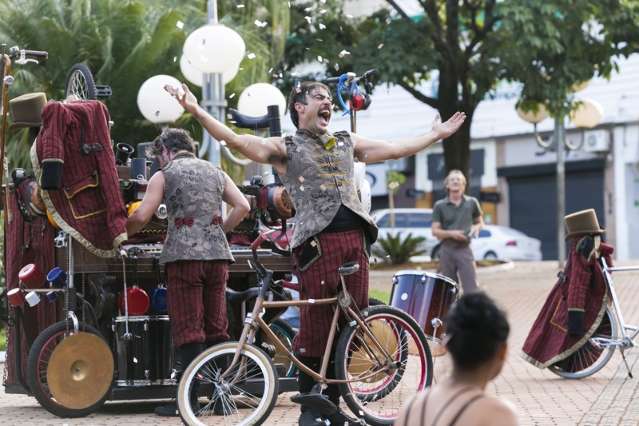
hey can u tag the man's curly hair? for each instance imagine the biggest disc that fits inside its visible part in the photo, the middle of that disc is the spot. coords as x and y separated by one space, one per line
298 94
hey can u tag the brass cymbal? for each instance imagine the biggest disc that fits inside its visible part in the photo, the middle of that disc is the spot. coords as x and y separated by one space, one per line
80 370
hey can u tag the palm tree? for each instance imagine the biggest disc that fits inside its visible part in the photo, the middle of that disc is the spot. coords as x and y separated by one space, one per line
125 42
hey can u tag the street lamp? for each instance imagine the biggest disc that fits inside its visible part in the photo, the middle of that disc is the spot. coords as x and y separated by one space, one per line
196 76
587 114
213 49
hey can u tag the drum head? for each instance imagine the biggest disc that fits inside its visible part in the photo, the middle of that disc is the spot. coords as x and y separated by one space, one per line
363 361
80 371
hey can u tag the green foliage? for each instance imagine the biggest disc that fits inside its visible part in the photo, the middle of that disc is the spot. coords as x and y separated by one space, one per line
382 296
394 180
3 339
124 42
470 46
397 249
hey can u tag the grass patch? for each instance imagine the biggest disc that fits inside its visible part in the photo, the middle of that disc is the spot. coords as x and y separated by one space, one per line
379 295
3 339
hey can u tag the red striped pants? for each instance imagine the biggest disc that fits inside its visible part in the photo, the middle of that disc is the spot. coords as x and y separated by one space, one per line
197 300
321 280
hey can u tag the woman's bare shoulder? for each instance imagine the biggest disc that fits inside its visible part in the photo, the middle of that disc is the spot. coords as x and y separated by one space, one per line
496 412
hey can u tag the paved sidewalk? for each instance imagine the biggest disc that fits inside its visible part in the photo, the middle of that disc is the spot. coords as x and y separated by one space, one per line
540 397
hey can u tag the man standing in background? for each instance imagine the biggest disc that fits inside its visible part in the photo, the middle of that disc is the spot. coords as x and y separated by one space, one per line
456 219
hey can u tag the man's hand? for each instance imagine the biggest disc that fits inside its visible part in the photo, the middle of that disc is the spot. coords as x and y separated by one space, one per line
474 230
183 96
458 236
453 124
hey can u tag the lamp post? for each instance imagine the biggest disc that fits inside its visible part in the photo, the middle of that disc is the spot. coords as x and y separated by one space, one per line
588 114
213 49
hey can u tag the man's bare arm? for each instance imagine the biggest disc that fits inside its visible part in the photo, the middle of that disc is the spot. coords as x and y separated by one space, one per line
442 234
240 206
373 151
260 150
150 203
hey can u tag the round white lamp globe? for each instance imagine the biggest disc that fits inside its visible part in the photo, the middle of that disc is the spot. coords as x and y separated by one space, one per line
155 103
196 76
533 117
255 99
214 48
588 114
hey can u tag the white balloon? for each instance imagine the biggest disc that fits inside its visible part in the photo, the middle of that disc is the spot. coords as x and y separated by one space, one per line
155 103
196 76
255 98
214 48
588 114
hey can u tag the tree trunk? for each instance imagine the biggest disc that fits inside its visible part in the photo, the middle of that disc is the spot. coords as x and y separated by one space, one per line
457 146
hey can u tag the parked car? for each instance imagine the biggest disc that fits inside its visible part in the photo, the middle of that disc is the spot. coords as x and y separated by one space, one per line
415 221
502 242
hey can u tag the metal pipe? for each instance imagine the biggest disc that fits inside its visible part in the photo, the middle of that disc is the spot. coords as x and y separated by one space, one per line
561 189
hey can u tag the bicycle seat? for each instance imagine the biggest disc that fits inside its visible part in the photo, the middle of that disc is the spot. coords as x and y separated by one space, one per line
348 268
241 296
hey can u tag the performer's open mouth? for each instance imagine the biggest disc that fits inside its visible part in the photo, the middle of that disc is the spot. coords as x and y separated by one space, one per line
325 116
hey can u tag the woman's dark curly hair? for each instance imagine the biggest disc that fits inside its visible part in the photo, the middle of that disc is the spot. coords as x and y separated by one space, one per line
475 329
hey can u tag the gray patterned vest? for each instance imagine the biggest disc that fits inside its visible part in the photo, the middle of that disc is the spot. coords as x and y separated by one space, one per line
319 178
193 195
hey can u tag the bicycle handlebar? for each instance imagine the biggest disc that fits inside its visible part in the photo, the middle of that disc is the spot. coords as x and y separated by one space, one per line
352 77
26 55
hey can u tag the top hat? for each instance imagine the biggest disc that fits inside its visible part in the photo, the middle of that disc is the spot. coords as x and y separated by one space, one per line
581 223
26 110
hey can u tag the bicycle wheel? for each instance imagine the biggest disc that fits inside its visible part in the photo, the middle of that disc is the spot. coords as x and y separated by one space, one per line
38 361
246 395
286 334
592 356
80 83
376 390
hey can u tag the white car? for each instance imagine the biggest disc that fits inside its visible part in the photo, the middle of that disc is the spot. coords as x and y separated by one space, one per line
502 242
415 221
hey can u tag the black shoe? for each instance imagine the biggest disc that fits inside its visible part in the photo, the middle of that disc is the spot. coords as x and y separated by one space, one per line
167 410
310 418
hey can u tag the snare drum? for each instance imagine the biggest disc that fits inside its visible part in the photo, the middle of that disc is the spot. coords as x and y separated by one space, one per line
425 296
146 356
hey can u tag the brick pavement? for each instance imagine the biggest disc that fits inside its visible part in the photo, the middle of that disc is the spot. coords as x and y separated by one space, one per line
540 397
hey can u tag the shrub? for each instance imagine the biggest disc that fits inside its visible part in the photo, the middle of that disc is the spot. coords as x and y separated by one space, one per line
397 249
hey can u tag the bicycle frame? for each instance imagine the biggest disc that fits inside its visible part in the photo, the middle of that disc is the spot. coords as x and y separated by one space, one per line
627 339
254 320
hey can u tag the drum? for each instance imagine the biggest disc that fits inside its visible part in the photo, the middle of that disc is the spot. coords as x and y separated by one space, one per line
145 357
425 296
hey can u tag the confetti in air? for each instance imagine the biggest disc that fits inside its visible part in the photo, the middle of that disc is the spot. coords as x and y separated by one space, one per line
301 187
240 6
343 53
251 55
320 59
308 19
175 59
179 24
379 46
232 95
260 24
322 26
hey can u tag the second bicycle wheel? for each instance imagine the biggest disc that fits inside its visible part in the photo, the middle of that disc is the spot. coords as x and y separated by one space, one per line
245 395
378 387
592 356
80 83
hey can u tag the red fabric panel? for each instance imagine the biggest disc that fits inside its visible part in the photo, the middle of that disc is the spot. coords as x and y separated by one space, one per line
321 281
197 301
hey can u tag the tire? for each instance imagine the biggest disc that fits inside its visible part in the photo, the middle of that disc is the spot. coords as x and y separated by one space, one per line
80 82
207 365
404 340
589 359
39 355
491 255
286 334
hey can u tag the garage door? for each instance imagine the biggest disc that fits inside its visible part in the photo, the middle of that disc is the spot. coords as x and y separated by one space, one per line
533 201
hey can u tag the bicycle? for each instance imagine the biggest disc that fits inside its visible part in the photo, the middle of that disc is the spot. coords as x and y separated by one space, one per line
381 360
612 332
